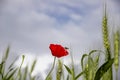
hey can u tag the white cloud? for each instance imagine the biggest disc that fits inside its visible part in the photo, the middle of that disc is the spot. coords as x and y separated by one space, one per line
76 17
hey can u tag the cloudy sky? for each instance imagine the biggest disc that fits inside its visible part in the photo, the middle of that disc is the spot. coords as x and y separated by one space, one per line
29 26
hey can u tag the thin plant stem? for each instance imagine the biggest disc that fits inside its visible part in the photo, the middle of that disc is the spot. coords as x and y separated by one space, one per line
116 74
51 69
19 70
73 72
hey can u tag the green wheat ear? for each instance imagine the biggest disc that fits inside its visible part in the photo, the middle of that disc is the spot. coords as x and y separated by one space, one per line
59 70
106 43
105 32
116 50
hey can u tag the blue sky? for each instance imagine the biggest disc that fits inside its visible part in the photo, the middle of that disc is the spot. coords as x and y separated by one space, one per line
29 26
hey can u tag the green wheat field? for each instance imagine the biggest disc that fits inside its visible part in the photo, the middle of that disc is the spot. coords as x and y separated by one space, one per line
91 67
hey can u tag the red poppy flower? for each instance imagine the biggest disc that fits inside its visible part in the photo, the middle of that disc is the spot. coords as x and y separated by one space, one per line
58 50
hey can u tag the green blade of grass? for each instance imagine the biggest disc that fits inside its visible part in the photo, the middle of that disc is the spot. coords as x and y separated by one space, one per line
10 70
93 51
103 69
6 54
80 74
90 68
25 73
84 55
4 58
11 75
68 69
1 65
11 65
33 66
67 77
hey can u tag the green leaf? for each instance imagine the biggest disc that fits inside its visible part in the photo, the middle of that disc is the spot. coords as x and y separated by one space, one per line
80 74
67 77
104 68
25 73
11 75
90 68
6 54
11 65
92 51
10 70
1 66
4 58
33 66
68 69
84 55
96 62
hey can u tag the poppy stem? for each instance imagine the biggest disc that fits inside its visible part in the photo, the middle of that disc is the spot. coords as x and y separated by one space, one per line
51 69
